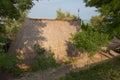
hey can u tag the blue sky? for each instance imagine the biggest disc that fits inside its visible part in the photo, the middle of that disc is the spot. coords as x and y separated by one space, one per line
47 9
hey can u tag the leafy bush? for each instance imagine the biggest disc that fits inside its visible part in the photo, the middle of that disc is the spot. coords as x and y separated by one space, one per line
90 40
8 62
1 49
4 40
4 44
44 63
115 32
39 49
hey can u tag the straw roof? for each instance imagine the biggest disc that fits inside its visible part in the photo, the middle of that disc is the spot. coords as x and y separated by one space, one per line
50 34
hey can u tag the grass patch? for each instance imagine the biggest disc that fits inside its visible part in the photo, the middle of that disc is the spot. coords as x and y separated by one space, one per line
102 71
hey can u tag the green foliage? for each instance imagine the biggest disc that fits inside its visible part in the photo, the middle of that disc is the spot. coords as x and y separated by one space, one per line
4 40
39 49
61 15
12 27
102 71
98 21
90 40
1 49
44 63
111 10
12 12
8 62
12 8
115 32
2 29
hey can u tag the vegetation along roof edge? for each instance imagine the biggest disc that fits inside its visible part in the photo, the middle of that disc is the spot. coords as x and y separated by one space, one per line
53 19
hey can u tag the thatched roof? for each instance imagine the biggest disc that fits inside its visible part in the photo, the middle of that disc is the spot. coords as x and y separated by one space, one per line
50 34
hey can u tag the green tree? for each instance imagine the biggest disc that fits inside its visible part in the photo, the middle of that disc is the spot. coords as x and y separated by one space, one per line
97 21
104 27
111 10
12 12
66 15
13 8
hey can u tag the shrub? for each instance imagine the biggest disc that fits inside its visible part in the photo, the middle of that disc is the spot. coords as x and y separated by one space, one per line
4 44
5 40
7 62
90 40
39 49
44 63
1 49
115 32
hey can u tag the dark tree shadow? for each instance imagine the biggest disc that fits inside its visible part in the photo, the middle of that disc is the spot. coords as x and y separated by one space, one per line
72 51
76 23
39 22
30 34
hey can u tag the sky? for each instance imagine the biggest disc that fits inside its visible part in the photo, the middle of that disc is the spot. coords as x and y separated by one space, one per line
46 9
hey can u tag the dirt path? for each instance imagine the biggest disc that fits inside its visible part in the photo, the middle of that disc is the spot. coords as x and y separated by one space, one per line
46 75
80 63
